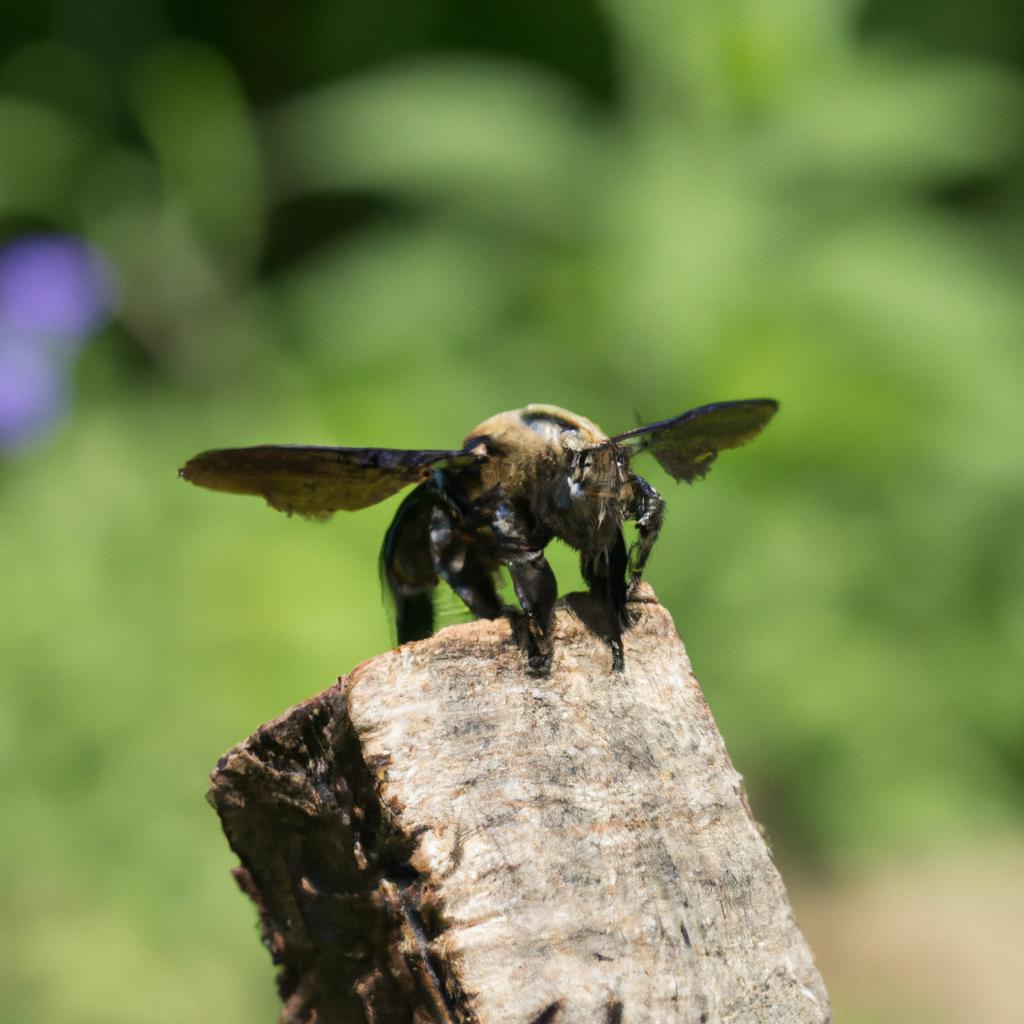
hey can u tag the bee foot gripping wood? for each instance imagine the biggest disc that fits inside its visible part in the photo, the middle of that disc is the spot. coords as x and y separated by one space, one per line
443 838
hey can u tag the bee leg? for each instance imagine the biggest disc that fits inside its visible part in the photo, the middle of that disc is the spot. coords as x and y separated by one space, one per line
456 559
648 510
407 567
605 575
537 590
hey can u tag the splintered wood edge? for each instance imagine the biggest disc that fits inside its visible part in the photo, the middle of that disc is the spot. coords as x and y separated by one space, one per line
362 884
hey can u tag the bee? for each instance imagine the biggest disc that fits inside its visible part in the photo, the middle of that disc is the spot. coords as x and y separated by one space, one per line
520 480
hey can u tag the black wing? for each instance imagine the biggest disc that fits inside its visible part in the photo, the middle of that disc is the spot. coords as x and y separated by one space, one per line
316 481
686 445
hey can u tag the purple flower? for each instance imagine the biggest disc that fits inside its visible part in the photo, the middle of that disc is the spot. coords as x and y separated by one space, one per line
56 291
32 392
55 287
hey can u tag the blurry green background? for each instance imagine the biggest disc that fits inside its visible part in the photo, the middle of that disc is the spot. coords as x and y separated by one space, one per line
377 224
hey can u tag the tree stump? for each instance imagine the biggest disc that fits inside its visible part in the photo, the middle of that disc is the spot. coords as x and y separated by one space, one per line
442 838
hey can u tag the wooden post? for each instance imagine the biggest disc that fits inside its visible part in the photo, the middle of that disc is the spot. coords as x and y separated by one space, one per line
442 838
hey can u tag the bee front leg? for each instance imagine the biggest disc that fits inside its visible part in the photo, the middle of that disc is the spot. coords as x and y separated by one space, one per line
605 575
521 546
537 590
648 510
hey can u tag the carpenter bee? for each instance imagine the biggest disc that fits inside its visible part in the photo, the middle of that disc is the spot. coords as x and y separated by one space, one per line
521 479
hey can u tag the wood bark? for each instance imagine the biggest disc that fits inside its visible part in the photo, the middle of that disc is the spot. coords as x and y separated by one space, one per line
442 838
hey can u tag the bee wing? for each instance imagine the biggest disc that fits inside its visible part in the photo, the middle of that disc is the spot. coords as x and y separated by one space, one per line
315 481
686 445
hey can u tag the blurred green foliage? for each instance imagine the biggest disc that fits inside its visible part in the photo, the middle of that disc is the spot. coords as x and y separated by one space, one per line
333 224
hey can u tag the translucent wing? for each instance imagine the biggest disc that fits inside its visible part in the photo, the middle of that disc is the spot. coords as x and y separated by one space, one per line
316 481
686 445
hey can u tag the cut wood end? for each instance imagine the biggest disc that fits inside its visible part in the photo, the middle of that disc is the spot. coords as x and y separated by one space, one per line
446 838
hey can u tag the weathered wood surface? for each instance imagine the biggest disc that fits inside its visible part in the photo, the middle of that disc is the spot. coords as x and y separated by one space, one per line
443 838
